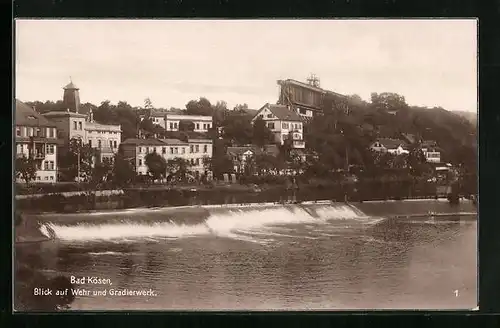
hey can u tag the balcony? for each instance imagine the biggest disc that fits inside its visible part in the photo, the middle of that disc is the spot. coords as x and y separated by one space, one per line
39 155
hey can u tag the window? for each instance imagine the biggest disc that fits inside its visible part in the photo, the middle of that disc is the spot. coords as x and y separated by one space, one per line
90 143
284 126
176 150
140 162
51 177
197 161
49 149
303 111
183 150
38 178
191 149
205 148
45 165
197 148
140 149
46 178
171 126
51 132
110 144
176 125
154 150
163 150
115 144
51 165
209 126
74 125
270 126
171 150
99 143
269 115
36 130
18 131
197 126
80 126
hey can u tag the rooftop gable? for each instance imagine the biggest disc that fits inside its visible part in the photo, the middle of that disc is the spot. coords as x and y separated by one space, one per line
281 112
27 116
392 143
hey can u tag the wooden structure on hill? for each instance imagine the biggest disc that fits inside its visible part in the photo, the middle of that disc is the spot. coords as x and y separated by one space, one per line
309 99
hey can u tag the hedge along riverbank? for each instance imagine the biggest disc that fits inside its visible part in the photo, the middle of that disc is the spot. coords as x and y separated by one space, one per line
159 197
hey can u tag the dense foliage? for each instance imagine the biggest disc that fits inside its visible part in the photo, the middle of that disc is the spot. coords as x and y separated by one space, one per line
336 140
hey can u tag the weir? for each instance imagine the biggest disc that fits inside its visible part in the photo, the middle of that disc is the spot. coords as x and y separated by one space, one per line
222 220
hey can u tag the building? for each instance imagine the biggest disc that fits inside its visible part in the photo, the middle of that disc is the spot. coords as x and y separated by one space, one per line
431 151
172 120
309 99
36 137
192 150
283 123
392 146
71 124
241 155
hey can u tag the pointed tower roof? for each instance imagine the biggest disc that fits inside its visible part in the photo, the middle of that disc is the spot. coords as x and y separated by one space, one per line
70 86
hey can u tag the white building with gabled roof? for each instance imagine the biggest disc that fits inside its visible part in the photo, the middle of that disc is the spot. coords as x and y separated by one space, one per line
283 123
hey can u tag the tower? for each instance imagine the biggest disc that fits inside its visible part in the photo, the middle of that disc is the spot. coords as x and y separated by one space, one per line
71 97
313 80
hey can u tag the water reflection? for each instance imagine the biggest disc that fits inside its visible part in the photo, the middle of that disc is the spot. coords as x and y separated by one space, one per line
393 264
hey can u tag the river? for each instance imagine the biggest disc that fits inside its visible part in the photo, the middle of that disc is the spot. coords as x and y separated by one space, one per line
314 256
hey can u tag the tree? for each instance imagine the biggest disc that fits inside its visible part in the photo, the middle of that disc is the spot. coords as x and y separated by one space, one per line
199 107
26 169
101 170
186 125
148 104
237 129
156 164
261 135
123 170
69 160
178 167
388 101
240 108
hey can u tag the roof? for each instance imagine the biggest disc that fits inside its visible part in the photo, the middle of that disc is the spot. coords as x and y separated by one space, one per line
157 113
240 150
410 137
429 143
267 149
27 116
173 142
282 112
143 142
64 113
391 143
70 85
311 87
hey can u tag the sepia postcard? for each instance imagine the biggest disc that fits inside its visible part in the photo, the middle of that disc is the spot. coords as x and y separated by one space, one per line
245 165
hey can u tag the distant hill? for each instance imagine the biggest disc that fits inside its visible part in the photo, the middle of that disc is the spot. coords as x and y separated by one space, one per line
470 116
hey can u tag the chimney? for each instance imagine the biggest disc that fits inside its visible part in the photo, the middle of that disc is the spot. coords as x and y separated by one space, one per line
91 116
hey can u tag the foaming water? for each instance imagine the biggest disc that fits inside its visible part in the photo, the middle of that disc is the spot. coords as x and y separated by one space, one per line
230 222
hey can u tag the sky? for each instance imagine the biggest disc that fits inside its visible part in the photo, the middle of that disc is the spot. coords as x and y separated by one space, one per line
430 62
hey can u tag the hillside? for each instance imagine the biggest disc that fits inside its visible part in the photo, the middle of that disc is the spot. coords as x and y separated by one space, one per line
470 116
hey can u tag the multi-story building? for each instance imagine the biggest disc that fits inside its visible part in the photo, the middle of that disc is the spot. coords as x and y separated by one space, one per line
431 151
71 124
171 120
36 138
283 123
192 150
308 99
